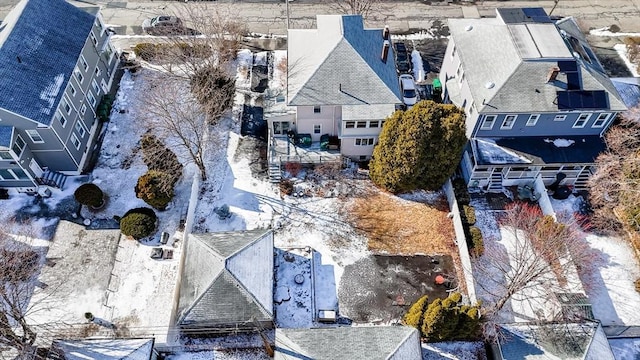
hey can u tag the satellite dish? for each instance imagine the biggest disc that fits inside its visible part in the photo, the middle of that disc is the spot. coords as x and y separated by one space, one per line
489 85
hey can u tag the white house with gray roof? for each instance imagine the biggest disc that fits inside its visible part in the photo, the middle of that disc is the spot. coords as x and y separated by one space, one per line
343 82
226 281
354 343
536 97
56 63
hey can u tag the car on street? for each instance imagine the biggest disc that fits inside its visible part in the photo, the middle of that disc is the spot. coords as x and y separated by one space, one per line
403 62
408 89
164 25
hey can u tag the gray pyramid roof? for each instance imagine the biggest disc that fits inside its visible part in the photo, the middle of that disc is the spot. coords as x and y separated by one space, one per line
339 63
103 349
515 58
40 43
217 289
366 342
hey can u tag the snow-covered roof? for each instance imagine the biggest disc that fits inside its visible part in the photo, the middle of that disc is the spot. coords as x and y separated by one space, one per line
103 349
5 135
340 63
516 57
227 279
366 342
40 43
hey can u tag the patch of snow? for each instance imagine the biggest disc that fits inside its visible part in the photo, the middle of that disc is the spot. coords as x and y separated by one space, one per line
418 69
606 32
454 350
621 49
560 142
499 155
424 34
625 349
50 93
260 58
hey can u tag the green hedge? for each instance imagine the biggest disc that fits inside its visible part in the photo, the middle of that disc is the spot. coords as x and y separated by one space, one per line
477 242
469 214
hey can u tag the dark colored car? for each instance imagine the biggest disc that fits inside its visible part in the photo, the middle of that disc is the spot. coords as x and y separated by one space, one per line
403 62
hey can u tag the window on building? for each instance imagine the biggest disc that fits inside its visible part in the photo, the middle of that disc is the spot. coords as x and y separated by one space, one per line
364 142
75 141
508 122
453 52
19 174
61 119
66 107
80 129
350 124
317 109
559 117
83 109
35 136
374 124
92 99
84 63
78 75
94 40
6 175
361 124
103 84
95 86
488 122
601 120
317 129
72 90
5 155
581 121
461 78
533 119
18 146
97 71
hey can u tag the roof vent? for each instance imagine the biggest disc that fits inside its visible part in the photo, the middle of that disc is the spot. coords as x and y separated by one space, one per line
563 33
576 55
468 28
489 85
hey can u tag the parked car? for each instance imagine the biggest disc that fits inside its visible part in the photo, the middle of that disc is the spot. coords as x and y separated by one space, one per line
164 25
408 89
403 62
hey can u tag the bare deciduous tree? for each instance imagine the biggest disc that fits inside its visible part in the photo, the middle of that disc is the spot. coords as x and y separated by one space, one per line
174 115
359 7
543 255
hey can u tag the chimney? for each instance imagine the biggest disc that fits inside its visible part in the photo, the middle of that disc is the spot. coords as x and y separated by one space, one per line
385 32
553 74
385 51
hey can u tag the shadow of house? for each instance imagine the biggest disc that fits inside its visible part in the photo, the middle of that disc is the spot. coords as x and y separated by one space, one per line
104 349
226 282
367 342
585 340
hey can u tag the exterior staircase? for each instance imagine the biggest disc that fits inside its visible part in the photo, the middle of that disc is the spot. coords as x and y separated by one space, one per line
583 178
275 174
495 182
52 179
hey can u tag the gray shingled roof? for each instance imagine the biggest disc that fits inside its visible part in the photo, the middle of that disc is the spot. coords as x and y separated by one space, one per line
104 349
5 135
340 64
370 343
629 90
492 52
39 54
210 294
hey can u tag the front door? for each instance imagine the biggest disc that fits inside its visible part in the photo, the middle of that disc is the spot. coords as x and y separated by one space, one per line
35 168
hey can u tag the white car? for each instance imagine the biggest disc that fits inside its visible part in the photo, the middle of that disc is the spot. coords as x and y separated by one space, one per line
408 89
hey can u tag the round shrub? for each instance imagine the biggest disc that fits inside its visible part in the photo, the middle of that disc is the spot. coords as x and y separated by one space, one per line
155 188
89 194
637 284
138 223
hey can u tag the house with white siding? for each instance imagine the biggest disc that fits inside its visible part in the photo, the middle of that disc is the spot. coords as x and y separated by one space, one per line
536 98
57 63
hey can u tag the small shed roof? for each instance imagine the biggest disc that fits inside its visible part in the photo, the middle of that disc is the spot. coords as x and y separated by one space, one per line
102 349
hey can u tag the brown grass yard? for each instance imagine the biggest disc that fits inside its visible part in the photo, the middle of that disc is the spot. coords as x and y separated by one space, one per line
402 227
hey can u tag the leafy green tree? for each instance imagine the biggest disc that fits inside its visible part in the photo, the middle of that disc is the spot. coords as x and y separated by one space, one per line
419 148
414 316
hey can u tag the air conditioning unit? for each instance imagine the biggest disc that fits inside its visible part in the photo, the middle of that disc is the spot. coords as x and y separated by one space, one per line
327 316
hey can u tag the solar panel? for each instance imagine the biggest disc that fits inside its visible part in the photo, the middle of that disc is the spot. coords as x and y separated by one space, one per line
573 81
537 15
568 100
568 65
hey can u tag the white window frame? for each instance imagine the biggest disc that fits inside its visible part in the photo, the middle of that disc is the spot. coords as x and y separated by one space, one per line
75 139
364 141
73 90
318 127
84 63
83 109
80 129
10 158
374 122
35 136
78 74
92 99
361 124
66 104
508 118
533 119
95 86
600 121
24 145
94 39
350 124
97 71
485 122
103 84
560 118
60 117
581 121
